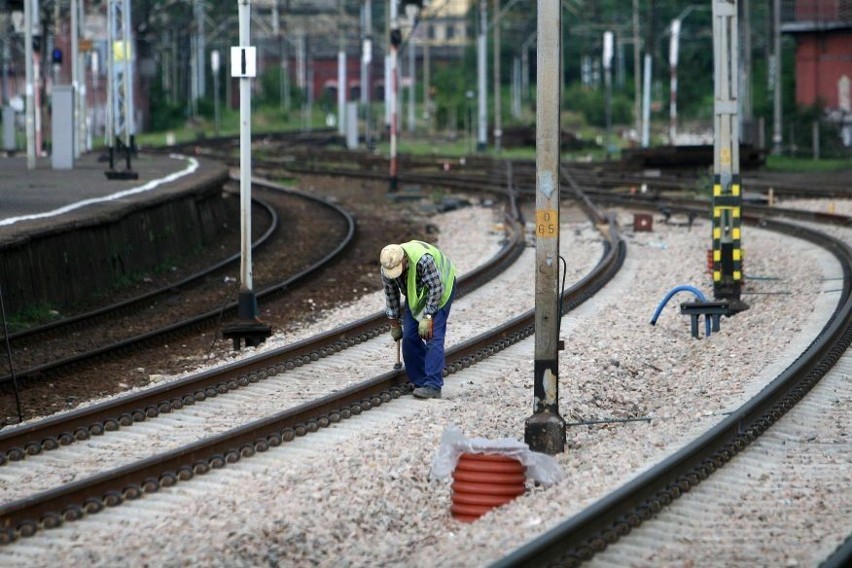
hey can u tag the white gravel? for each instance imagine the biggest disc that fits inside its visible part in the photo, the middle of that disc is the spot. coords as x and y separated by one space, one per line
347 497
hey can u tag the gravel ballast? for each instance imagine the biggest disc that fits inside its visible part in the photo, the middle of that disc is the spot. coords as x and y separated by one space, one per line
363 496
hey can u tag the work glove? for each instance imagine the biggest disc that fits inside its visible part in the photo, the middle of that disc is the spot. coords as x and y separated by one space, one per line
396 330
425 328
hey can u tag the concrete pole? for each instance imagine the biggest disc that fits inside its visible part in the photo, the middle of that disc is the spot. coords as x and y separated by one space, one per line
82 103
75 73
646 102
341 75
525 67
285 76
516 87
276 19
777 135
637 70
302 76
247 304
301 73
129 82
30 84
481 83
393 73
214 65
201 47
607 65
97 110
427 87
37 105
727 183
194 64
412 82
388 86
746 113
498 102
545 429
673 56
4 74
309 111
366 50
366 60
175 72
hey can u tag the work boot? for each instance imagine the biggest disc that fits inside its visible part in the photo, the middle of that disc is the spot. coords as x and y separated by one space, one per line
427 392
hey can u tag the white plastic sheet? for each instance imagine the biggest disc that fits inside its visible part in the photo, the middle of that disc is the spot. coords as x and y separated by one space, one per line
540 467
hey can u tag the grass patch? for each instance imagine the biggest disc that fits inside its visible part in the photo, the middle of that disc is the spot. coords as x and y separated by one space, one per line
787 164
31 316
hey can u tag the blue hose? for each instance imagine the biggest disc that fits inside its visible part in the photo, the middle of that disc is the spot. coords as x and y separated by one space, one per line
675 290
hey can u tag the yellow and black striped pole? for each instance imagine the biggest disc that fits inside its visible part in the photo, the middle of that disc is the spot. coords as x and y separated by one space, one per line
727 184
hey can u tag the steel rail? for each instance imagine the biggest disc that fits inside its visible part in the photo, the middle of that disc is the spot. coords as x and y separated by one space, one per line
48 369
525 184
31 439
64 325
51 508
582 536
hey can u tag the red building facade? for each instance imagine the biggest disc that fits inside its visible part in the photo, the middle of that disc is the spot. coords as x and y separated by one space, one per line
823 32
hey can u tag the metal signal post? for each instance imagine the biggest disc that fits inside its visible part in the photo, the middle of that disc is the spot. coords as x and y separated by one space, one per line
244 67
121 129
727 183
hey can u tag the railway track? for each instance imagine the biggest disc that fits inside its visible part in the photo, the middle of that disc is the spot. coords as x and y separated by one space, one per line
70 502
604 523
581 553
327 437
590 175
760 216
57 349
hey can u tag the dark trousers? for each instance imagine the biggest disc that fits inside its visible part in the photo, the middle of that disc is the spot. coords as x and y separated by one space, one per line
424 360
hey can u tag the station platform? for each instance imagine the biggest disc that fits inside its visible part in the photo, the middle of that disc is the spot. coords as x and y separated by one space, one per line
43 198
66 235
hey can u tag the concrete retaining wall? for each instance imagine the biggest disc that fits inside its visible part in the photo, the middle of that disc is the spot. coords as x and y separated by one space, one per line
88 258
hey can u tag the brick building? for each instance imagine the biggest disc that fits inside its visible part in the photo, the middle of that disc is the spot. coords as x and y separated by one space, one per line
823 33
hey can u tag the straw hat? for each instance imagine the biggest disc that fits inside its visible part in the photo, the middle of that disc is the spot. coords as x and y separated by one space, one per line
391 259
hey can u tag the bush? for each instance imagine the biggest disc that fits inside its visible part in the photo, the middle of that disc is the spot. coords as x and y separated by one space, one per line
592 105
164 116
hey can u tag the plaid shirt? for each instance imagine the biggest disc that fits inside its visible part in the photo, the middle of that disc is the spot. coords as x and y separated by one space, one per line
427 275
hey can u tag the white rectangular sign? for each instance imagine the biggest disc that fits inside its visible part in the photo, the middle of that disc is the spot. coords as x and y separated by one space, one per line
243 61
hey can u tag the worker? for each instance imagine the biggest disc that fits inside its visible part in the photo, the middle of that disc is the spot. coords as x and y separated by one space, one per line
426 278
